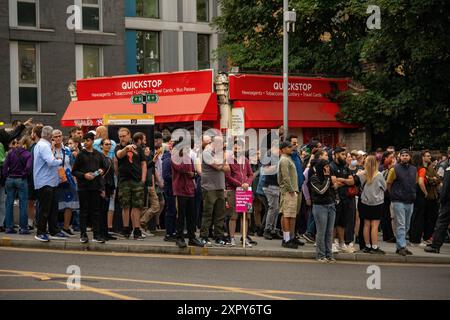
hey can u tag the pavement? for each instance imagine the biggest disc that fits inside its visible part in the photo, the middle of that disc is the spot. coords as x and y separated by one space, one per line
264 248
44 274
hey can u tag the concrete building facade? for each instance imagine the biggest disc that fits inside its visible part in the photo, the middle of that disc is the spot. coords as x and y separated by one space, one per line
47 44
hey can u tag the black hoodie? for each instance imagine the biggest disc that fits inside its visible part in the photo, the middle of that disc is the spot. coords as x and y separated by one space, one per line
322 192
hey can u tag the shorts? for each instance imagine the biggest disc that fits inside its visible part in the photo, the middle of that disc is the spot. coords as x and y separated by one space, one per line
343 214
230 207
131 194
371 212
290 204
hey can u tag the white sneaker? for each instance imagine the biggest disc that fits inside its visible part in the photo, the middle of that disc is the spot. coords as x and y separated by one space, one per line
343 248
335 248
233 242
146 233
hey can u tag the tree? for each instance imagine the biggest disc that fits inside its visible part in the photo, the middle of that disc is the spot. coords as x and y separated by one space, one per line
400 72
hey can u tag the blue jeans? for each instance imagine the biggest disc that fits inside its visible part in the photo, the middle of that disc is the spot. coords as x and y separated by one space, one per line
324 215
273 198
403 213
20 186
311 224
171 214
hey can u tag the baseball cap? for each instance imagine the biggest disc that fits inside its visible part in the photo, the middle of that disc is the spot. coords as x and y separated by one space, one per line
403 151
338 149
361 153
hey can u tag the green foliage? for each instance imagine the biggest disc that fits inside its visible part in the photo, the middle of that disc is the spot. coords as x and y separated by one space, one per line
403 68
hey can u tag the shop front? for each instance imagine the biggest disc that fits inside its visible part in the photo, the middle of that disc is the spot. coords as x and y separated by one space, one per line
312 112
183 97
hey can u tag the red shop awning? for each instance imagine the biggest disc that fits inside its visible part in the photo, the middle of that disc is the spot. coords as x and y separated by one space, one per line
178 108
269 114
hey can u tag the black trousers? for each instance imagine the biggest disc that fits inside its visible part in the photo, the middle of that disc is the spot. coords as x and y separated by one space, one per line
48 207
103 217
441 225
418 218
90 207
186 211
386 221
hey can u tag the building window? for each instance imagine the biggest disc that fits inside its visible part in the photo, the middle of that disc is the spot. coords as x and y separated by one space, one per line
92 62
147 56
91 12
203 10
147 8
203 51
28 77
26 13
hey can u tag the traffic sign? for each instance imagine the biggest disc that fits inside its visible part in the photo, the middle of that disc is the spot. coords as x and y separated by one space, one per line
137 99
152 98
144 98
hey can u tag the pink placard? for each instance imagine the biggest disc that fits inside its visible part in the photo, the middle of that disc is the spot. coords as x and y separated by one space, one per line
244 199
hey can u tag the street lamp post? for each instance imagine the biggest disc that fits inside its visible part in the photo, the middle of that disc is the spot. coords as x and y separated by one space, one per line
288 18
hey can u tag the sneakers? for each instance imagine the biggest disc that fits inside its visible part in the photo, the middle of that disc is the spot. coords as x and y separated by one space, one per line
289 244
124 234
377 251
180 243
247 243
110 237
267 235
58 236
335 248
68 232
344 248
322 260
409 253
206 242
221 242
331 260
137 235
147 233
367 250
168 238
195 243
401 251
308 237
24 231
233 242
42 238
250 241
298 241
84 238
430 249
10 231
98 240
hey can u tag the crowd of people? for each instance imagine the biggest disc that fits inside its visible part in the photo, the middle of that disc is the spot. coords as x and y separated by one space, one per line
334 198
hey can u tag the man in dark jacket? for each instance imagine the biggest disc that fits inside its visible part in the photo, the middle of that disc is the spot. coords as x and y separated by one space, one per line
444 216
171 209
401 184
89 168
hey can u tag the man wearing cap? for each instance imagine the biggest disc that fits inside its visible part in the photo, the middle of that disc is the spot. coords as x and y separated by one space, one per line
401 183
290 197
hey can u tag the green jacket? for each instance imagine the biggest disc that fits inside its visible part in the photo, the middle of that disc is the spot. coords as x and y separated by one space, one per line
287 175
2 154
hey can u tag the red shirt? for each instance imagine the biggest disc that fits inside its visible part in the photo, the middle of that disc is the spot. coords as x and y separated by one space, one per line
182 184
239 174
